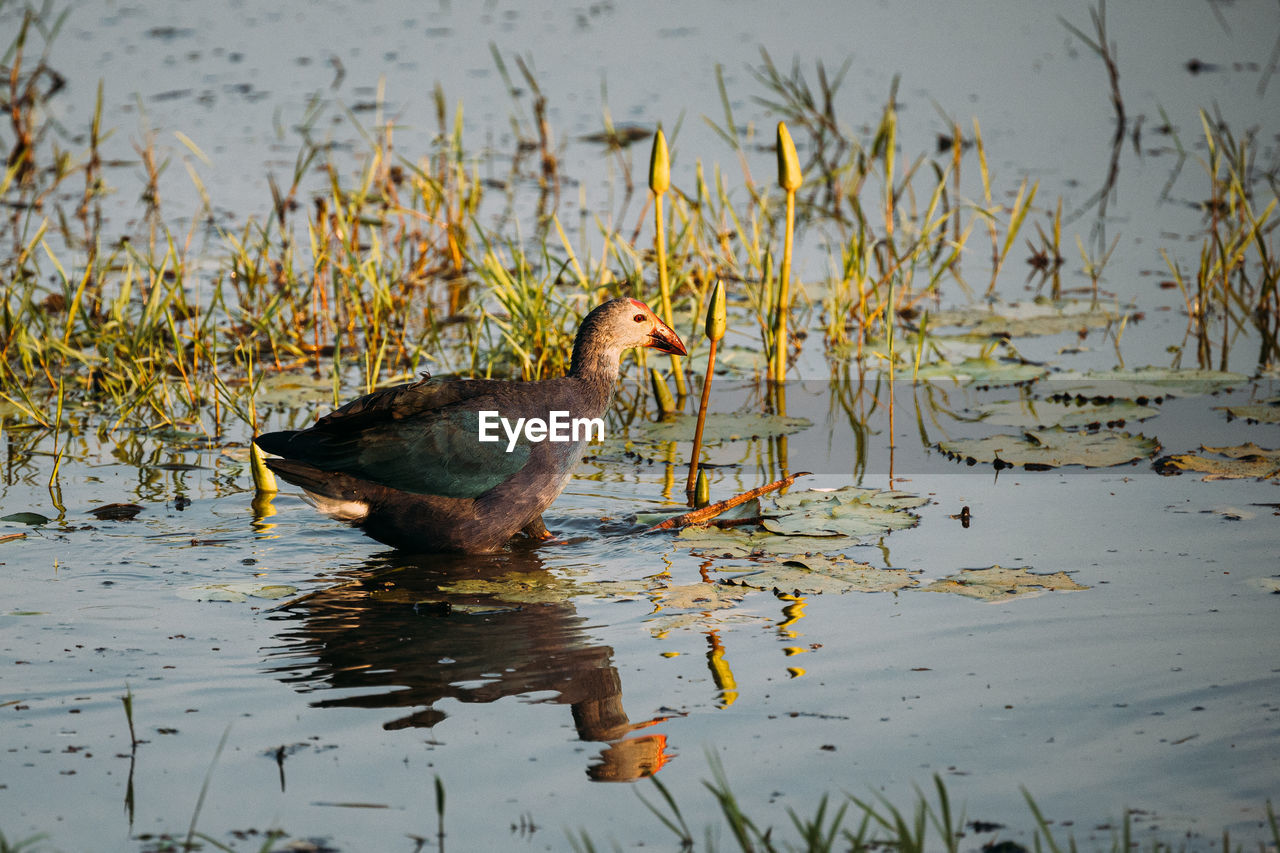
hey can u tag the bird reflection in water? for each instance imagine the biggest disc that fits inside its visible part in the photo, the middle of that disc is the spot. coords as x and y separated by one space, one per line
390 625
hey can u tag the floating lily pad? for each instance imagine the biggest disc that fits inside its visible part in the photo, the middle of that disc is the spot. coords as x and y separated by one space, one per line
1000 584
719 427
861 495
850 511
1146 382
814 515
817 574
237 592
1266 412
1053 448
1046 413
1021 319
1243 461
983 371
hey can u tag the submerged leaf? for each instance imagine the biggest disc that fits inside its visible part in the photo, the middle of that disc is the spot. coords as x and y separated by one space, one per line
983 371
1000 584
736 542
537 588
697 596
293 389
1053 448
237 591
1243 461
1020 319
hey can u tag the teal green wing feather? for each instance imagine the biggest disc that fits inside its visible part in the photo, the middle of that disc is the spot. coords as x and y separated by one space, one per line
421 438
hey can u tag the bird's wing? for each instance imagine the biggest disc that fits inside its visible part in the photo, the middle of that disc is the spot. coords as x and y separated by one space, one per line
421 438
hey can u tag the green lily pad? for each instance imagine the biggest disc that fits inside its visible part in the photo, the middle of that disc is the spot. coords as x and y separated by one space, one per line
1022 319
1266 412
862 495
817 574
1000 584
1053 448
1244 461
735 542
1066 414
1146 382
238 591
719 427
983 371
850 511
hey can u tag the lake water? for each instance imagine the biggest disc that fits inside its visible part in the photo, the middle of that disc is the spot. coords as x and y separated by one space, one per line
1156 689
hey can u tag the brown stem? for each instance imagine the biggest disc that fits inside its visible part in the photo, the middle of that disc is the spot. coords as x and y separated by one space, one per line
710 511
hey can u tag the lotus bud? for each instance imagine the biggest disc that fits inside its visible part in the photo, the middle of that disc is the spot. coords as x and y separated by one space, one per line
789 175
702 491
659 165
716 319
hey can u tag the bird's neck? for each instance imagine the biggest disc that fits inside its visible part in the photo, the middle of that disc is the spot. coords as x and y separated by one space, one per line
595 364
598 369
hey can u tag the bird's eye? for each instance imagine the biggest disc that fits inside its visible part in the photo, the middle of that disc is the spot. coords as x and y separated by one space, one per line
639 318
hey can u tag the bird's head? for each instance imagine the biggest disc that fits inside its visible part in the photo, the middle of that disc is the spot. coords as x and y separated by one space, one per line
621 325
656 334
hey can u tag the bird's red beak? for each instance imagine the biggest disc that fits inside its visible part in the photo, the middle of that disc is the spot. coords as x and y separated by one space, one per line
663 339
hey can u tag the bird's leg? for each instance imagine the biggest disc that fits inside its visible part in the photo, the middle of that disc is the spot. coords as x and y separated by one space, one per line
537 530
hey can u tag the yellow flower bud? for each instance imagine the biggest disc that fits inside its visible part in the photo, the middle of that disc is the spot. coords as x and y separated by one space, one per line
789 175
659 165
716 319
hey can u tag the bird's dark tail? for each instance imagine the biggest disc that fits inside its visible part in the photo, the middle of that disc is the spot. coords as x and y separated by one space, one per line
275 442
334 493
